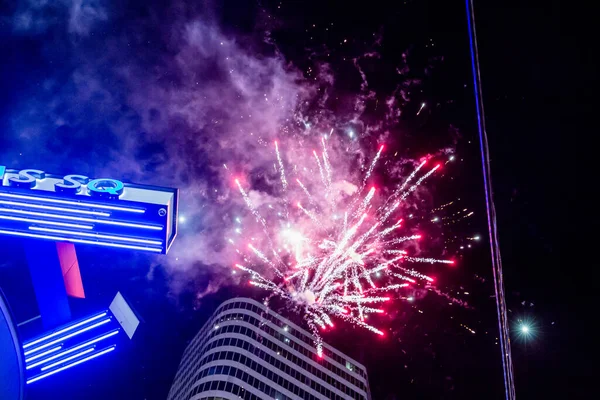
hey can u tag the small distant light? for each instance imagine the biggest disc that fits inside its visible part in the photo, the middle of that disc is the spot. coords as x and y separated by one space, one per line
377 274
238 220
452 158
476 237
182 219
351 134
410 216
285 328
526 330
410 298
216 326
435 219
462 247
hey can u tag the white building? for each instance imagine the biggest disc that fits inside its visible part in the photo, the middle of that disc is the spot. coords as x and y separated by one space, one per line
247 351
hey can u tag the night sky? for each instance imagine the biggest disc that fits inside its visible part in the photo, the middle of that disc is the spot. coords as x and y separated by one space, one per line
165 92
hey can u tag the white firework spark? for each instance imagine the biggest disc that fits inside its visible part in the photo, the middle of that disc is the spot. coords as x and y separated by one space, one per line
335 264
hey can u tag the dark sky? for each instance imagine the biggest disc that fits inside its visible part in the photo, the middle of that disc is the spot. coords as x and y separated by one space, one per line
99 69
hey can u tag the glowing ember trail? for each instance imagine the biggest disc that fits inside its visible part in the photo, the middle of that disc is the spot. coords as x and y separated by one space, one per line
336 255
281 169
320 168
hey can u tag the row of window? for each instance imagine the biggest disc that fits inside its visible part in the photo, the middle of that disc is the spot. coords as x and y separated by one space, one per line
213 398
278 364
251 334
339 372
187 367
300 335
260 384
267 343
282 353
230 387
288 355
199 339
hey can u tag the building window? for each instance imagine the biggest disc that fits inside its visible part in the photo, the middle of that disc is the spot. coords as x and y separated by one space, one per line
349 366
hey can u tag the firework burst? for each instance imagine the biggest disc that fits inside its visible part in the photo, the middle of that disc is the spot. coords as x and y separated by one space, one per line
335 247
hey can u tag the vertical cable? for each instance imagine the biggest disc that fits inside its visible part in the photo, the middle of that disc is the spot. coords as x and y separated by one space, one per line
509 384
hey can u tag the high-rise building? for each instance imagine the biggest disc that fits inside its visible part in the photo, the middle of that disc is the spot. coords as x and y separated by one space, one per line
248 351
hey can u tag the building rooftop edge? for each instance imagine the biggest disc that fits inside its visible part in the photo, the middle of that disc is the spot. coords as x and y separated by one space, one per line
293 325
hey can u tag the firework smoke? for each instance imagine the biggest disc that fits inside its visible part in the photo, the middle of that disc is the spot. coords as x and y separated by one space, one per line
179 101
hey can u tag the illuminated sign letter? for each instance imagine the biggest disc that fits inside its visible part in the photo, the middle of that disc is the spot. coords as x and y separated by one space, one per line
72 184
78 209
107 188
27 178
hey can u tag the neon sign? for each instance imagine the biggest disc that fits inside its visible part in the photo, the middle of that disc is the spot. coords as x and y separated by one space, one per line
28 178
77 209
79 341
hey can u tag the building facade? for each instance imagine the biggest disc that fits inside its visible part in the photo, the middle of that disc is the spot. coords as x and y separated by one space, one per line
248 351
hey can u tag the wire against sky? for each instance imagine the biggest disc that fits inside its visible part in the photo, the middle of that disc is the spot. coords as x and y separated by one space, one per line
509 383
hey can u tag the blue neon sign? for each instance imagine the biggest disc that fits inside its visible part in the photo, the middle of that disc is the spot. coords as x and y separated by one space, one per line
75 208
79 341
70 345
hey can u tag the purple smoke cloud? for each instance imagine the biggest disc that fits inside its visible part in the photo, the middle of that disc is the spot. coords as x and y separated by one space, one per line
169 98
